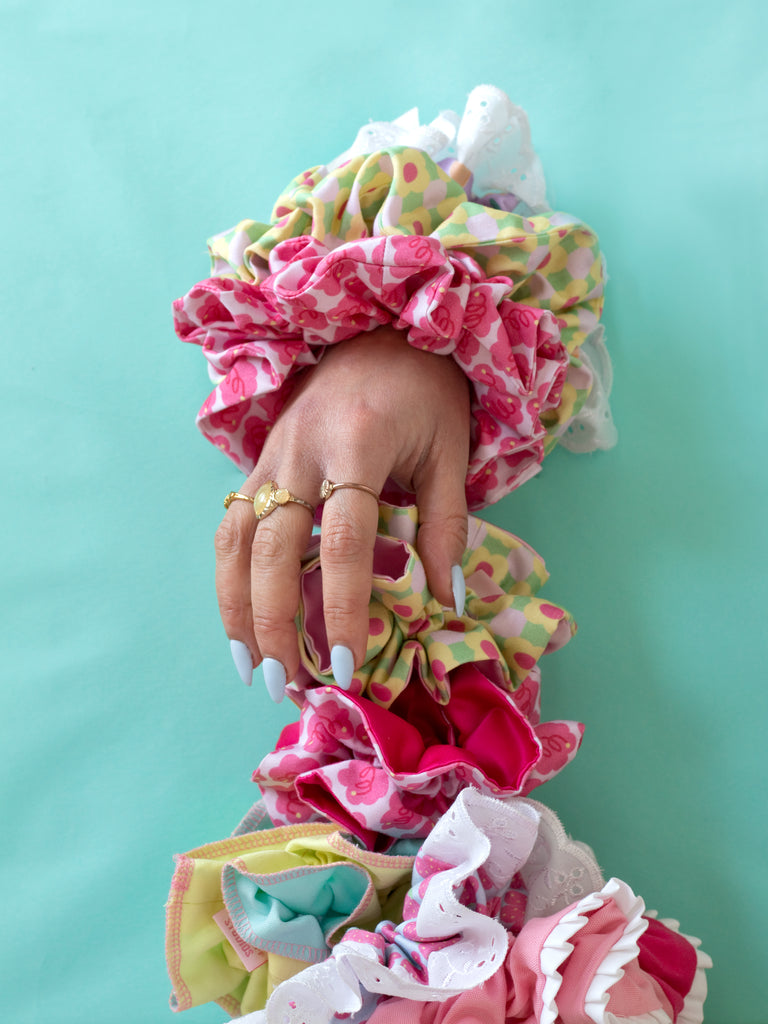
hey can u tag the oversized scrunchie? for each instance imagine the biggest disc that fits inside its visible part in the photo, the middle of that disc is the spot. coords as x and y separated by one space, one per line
389 238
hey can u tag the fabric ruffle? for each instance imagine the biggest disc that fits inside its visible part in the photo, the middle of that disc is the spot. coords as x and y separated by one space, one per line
451 937
490 142
389 238
412 639
602 963
392 772
441 702
499 916
593 427
600 958
246 913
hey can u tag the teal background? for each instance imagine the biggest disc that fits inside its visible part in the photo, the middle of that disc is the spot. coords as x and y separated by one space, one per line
130 133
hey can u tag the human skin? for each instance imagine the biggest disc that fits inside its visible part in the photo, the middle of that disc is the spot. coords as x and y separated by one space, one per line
373 408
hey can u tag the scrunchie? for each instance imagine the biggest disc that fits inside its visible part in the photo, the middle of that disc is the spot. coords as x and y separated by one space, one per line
389 238
412 638
390 773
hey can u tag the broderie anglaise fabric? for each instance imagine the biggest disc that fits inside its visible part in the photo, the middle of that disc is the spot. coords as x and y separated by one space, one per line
516 892
444 945
593 427
589 956
492 139
560 870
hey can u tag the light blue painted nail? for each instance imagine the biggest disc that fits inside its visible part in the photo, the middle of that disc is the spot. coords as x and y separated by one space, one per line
243 660
342 665
274 678
459 588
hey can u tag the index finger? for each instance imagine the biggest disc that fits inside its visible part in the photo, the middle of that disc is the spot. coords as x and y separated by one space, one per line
233 541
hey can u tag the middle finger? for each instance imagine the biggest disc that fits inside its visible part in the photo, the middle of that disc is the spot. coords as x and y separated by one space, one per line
279 543
347 538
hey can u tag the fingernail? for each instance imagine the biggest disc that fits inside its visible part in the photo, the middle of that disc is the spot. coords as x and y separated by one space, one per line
243 660
459 588
342 665
274 678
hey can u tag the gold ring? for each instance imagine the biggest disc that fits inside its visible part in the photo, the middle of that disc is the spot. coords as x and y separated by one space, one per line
268 497
233 495
328 487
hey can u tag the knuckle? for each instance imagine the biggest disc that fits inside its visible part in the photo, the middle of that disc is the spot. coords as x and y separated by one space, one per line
295 425
360 425
269 547
361 419
231 536
450 527
343 542
442 540
342 612
266 622
275 638
454 527
234 613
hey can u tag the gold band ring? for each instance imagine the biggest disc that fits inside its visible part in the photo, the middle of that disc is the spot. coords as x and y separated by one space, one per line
234 495
328 487
268 497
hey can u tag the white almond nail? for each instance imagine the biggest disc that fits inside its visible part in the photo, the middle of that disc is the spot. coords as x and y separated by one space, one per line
459 588
342 665
243 660
274 678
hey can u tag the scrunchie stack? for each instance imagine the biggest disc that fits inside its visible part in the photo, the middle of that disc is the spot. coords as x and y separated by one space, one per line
390 238
395 869
392 866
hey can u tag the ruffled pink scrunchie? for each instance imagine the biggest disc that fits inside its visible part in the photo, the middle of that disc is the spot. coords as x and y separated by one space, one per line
257 335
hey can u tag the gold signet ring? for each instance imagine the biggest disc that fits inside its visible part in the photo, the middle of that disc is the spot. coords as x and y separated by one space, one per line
268 497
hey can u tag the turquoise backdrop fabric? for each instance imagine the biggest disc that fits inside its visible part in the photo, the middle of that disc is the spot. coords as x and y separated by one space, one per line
131 132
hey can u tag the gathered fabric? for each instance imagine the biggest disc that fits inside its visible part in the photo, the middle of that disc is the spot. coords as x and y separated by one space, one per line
384 773
395 867
440 702
390 238
504 914
247 912
505 629
599 959
395 864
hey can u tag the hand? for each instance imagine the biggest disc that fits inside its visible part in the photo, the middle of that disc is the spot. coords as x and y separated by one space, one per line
373 408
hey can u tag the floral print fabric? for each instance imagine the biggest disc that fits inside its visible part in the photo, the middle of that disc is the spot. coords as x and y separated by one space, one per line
599 959
434 743
390 238
661 985
441 702
393 772
314 915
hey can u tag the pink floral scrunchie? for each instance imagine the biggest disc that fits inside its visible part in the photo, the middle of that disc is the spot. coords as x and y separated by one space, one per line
441 701
393 772
319 275
257 335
